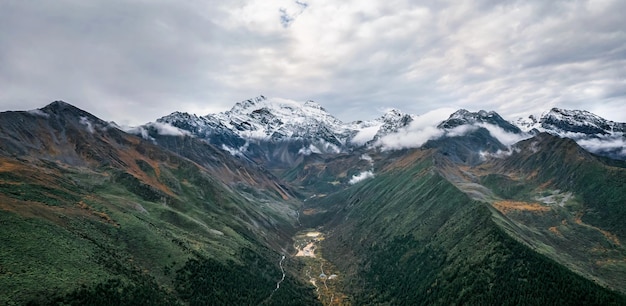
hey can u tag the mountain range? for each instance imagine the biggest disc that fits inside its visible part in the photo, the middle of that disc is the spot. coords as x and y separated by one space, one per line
261 126
278 202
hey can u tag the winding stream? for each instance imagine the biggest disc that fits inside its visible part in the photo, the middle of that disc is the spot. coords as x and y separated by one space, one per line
280 263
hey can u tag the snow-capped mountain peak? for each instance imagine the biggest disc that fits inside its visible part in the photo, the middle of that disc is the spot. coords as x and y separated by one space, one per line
567 122
275 118
282 129
465 117
578 121
246 104
393 120
527 124
589 130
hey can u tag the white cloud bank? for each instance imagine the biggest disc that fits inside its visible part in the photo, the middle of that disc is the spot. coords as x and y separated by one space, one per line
614 143
361 177
506 138
424 128
366 134
418 132
160 127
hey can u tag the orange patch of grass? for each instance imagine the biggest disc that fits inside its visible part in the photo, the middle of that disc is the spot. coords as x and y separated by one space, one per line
533 174
556 231
102 215
610 261
545 185
8 166
408 160
308 211
610 236
507 206
29 209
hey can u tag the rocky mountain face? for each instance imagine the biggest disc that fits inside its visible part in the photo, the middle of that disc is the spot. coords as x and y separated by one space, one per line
572 121
277 201
279 132
592 132
465 117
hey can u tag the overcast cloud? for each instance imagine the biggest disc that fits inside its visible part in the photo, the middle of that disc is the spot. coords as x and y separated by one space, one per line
134 61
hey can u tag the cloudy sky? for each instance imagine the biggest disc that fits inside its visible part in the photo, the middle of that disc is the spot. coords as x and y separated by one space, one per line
134 61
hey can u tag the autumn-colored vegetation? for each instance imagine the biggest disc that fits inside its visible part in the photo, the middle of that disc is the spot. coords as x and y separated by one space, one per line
506 206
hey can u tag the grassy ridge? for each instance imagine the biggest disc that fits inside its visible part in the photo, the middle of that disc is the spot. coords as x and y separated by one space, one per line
110 237
579 205
410 235
565 165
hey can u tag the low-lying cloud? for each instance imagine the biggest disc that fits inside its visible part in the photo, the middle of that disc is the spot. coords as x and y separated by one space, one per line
160 127
361 177
38 112
85 121
418 132
615 144
366 134
506 138
424 128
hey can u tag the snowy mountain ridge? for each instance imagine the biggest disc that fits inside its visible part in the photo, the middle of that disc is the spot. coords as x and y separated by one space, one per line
311 129
592 132
573 121
275 120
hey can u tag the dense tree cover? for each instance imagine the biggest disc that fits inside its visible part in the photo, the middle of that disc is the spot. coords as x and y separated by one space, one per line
200 281
411 237
204 282
406 269
117 292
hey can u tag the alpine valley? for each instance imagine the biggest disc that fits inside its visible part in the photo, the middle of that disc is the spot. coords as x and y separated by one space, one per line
277 202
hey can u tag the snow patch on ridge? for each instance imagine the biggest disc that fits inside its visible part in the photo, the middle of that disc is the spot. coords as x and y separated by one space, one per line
367 158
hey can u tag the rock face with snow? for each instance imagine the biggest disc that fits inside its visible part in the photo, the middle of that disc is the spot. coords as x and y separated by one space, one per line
590 131
268 130
367 132
465 117
574 121
281 132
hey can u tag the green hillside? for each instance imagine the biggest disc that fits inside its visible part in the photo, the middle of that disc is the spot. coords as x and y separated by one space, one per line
410 235
95 216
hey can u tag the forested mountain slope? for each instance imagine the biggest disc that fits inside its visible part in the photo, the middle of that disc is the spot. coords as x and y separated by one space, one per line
244 207
92 215
411 235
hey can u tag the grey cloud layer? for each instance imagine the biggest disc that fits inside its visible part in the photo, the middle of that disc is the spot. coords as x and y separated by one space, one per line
135 61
